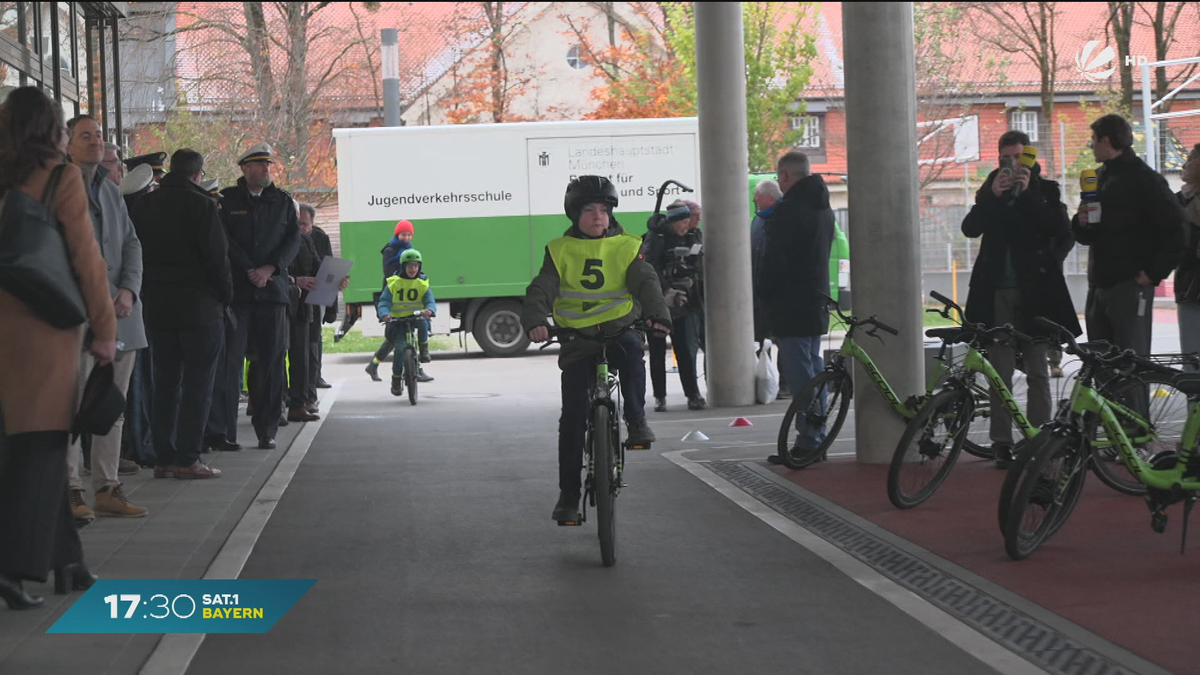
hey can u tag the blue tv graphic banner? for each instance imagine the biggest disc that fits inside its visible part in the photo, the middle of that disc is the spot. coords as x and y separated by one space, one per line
182 606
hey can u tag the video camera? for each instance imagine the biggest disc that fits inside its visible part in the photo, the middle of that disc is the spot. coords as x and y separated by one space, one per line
683 262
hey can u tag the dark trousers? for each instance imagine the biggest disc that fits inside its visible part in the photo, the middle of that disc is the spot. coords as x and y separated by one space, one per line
314 360
299 354
217 427
685 342
37 532
1112 315
185 365
625 356
137 442
266 325
384 349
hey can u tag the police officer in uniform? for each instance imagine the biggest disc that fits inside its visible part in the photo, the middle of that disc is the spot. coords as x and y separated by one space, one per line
592 280
264 237
157 161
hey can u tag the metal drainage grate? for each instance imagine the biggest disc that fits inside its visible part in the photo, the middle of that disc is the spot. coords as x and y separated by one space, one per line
1024 635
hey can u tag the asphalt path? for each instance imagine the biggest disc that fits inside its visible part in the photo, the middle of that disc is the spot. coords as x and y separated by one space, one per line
428 531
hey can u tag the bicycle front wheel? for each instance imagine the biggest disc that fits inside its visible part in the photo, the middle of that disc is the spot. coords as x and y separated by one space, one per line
1047 491
814 418
604 454
929 447
1167 410
410 374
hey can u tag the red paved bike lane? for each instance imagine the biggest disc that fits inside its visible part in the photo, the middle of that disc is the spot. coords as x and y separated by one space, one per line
1105 570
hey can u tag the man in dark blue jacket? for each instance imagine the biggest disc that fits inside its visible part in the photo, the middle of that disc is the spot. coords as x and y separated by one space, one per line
264 235
794 280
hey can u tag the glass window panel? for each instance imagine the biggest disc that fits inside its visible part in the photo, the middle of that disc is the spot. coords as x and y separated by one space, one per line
66 47
44 42
10 78
9 23
28 26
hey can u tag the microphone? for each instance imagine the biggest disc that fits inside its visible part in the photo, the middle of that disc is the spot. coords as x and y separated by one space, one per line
1028 157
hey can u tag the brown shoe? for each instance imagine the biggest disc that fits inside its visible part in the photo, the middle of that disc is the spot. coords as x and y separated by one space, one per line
197 470
80 511
312 408
164 471
127 468
111 502
301 415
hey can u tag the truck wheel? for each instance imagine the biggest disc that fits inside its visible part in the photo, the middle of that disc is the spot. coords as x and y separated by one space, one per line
498 329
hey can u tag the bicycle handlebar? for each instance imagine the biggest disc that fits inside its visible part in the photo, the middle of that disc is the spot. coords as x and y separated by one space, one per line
855 322
1113 356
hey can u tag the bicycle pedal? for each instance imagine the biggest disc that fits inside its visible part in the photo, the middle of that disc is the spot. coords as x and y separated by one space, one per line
569 523
638 446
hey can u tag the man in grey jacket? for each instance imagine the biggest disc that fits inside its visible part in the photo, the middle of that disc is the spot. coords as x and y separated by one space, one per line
123 253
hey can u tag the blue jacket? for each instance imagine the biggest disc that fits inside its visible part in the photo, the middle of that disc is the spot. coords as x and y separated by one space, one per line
391 256
385 300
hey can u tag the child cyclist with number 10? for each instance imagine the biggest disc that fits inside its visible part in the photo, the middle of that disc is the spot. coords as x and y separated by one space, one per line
407 291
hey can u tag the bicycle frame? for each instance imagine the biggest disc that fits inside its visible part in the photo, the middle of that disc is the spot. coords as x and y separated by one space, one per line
976 362
1085 399
602 394
906 409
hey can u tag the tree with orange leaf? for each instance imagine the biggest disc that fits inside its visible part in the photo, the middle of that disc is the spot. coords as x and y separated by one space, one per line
484 86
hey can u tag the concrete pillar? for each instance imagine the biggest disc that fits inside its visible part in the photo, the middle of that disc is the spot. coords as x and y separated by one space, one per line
390 55
724 175
885 269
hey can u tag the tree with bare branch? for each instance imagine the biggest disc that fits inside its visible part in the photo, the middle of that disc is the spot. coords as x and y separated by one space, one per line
484 83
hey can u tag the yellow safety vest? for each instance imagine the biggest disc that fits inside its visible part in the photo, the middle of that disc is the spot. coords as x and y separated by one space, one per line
591 273
408 295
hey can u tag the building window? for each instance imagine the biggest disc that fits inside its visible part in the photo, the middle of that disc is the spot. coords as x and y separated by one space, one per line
1027 121
810 130
575 58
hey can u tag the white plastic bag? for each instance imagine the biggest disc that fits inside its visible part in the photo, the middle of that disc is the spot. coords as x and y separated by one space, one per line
766 375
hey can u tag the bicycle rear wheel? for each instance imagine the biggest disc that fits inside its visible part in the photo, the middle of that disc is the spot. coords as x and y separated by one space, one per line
929 447
1168 410
1047 491
605 458
410 374
819 408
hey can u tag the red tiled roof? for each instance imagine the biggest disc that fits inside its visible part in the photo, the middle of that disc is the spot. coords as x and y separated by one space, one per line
1076 24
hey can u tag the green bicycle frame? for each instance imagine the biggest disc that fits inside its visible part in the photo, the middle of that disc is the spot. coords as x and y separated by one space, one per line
976 362
1085 399
852 350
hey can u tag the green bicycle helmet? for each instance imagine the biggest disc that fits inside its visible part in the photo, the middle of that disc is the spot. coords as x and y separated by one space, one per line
411 255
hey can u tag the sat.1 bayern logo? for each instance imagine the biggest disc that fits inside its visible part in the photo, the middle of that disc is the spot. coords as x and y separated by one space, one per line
1092 68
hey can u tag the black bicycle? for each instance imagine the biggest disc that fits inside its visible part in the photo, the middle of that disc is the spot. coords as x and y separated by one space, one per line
603 450
407 354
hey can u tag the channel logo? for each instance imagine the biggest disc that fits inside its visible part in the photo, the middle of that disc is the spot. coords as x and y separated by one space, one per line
1092 68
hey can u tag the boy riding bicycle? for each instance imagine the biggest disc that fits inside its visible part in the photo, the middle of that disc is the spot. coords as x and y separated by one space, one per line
593 281
406 292
400 242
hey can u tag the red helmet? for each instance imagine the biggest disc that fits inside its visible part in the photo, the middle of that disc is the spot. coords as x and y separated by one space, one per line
404 226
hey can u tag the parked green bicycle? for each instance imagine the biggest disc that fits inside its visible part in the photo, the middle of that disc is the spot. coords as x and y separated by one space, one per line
935 436
1047 485
604 453
818 411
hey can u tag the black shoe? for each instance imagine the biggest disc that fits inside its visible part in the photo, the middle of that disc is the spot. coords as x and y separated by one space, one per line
1004 455
397 385
660 404
697 403
775 459
422 377
322 384
567 508
373 370
784 393
640 433
283 421
225 445
15 596
74 577
423 356
266 444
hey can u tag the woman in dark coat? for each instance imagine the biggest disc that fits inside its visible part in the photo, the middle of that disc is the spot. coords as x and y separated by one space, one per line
39 364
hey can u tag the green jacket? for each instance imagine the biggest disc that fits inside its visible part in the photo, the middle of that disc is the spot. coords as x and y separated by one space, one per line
640 278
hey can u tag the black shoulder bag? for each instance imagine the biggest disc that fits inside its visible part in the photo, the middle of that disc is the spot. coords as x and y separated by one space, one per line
35 263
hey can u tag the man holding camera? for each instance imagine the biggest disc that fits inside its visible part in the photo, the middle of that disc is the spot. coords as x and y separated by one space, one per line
1018 274
673 247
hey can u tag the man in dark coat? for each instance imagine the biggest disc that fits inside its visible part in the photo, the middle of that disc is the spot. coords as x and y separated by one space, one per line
324 248
1018 276
302 390
264 235
186 286
1136 242
794 279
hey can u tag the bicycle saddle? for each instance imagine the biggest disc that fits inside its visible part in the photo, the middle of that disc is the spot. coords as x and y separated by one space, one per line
950 334
1188 383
